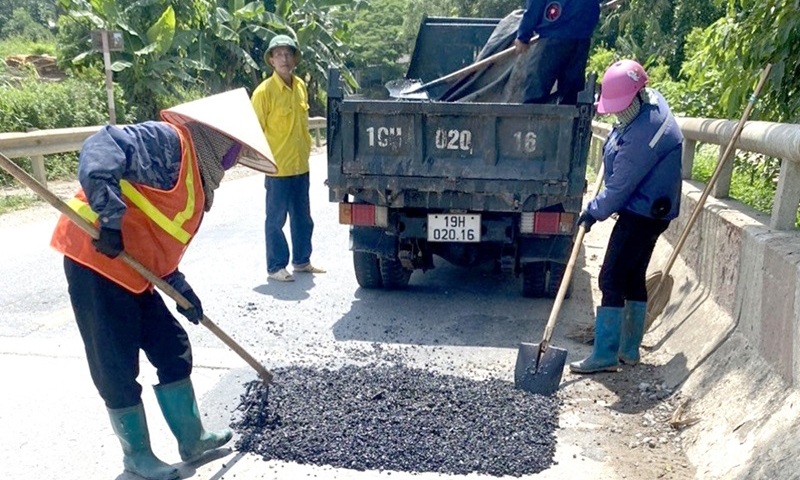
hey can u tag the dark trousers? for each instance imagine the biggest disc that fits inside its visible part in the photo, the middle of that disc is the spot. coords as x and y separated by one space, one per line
551 60
624 271
287 196
115 324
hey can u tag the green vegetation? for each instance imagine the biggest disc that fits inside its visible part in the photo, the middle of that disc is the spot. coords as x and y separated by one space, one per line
10 203
705 56
754 180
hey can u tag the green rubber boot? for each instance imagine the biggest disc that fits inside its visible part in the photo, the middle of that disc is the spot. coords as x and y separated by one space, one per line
632 332
130 425
606 343
179 406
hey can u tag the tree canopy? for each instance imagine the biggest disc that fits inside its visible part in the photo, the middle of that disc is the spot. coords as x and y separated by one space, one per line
707 54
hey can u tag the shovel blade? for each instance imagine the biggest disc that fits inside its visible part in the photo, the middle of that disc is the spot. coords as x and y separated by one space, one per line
539 375
405 88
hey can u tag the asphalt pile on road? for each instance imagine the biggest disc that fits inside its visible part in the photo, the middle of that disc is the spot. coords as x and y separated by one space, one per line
396 418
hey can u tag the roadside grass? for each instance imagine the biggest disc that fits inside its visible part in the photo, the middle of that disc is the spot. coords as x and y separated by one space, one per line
752 183
14 202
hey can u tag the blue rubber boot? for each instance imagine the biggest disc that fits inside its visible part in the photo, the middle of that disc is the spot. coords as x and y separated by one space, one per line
179 406
130 425
632 332
606 343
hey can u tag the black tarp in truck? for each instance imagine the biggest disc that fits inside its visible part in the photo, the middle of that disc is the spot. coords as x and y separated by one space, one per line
469 182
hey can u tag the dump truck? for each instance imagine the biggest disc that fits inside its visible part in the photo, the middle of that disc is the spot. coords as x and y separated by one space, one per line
470 183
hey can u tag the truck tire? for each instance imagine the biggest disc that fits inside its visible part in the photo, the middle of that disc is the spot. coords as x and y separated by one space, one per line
368 269
393 275
534 276
554 276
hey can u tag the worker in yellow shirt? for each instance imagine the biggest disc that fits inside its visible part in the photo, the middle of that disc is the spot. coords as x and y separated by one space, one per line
281 104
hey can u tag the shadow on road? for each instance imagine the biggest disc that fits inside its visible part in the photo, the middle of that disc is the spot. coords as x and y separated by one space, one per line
456 306
288 291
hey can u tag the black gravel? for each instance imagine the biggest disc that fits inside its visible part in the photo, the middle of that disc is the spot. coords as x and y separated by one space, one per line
382 417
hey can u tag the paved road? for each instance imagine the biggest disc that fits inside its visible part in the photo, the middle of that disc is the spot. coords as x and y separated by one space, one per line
53 424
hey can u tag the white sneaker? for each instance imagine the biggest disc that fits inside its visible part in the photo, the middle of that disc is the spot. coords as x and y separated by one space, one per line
282 276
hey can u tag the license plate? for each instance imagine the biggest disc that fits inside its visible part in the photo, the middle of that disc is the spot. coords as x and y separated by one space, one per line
454 227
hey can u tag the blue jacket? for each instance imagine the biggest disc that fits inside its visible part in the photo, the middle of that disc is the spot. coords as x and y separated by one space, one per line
573 19
642 165
146 153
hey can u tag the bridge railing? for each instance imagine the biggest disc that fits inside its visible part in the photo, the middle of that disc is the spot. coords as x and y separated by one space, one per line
777 140
38 143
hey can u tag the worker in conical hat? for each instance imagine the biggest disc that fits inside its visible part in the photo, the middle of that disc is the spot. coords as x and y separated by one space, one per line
146 187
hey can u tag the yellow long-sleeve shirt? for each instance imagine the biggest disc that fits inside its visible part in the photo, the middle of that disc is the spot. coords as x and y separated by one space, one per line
283 114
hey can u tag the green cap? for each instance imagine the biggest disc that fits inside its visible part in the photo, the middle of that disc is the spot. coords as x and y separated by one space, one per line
281 41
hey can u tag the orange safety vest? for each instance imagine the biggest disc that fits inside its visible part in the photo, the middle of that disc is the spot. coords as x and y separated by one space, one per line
157 225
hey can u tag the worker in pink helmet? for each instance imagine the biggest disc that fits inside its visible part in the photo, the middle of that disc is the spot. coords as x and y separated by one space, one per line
642 185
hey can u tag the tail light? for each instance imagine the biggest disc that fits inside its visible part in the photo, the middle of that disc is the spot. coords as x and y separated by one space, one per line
363 215
547 223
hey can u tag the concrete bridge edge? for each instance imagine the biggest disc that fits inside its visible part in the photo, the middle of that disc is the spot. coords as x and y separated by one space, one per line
730 339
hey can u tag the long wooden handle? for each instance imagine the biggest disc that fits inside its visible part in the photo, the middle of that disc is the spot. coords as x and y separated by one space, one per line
717 171
23 176
465 71
562 289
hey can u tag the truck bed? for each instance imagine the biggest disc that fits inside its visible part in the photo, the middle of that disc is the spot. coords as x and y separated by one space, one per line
477 156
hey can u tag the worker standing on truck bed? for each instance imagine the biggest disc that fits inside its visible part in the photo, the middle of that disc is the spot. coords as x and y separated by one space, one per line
146 186
281 103
642 160
559 55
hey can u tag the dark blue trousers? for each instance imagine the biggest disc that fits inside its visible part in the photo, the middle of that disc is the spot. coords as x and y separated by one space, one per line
552 60
287 196
115 324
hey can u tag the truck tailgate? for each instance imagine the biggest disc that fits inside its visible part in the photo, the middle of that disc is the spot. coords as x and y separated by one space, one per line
458 141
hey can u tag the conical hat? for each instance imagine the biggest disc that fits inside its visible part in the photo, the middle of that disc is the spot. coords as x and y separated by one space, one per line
231 114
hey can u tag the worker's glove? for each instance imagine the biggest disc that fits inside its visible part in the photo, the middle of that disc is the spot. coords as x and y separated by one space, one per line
109 243
194 313
587 220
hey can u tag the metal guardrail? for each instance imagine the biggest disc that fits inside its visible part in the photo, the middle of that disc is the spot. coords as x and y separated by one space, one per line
778 140
38 143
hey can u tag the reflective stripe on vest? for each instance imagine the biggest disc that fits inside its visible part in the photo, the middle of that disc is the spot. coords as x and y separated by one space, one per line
174 227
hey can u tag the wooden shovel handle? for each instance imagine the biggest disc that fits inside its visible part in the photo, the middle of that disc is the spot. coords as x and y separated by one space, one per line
464 71
23 176
562 289
717 171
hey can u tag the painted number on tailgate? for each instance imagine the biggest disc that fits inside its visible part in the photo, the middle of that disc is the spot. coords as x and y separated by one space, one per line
525 141
385 137
454 140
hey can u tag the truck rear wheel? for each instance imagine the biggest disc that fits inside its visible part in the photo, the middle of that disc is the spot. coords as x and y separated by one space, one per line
542 279
554 275
393 274
534 276
368 269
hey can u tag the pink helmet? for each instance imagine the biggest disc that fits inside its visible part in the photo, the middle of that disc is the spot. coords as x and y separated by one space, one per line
621 82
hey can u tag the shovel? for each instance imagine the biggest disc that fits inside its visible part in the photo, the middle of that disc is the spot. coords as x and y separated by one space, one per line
659 284
540 365
413 89
52 199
